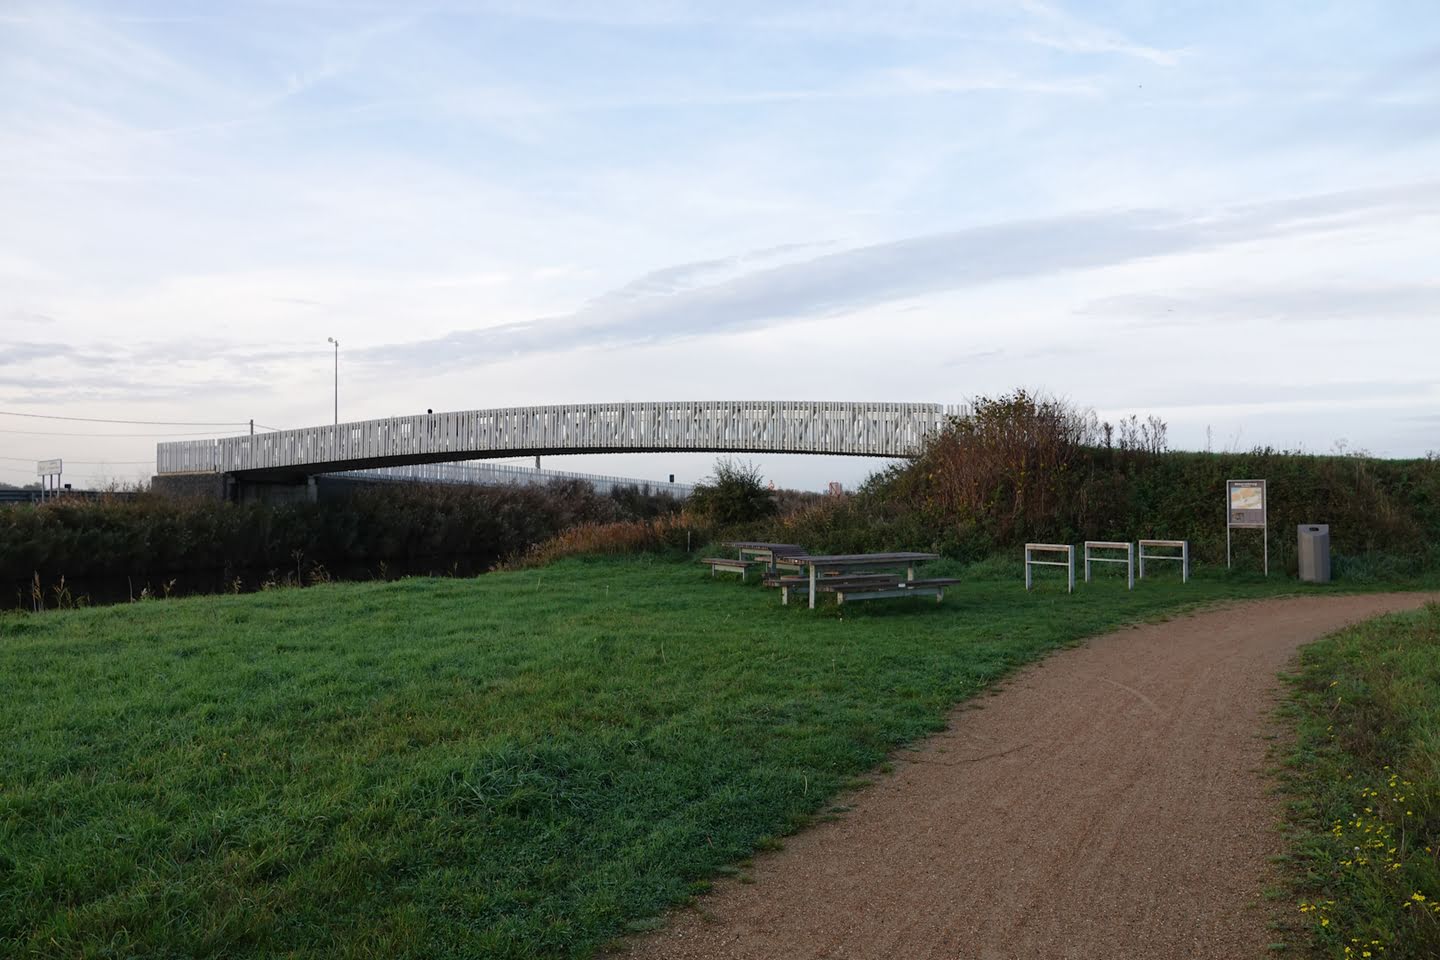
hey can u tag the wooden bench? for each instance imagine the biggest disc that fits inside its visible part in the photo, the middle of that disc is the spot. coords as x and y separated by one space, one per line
773 554
933 587
731 565
857 581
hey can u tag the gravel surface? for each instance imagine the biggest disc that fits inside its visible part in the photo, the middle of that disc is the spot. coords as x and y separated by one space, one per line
1109 802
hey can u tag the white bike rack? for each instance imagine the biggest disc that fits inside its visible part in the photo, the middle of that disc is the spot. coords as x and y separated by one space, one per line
1129 560
1183 559
1068 563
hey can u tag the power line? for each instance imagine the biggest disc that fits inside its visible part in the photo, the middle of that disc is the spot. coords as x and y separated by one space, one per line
151 423
88 463
46 433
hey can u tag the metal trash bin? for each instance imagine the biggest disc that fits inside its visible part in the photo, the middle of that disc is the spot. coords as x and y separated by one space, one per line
1313 551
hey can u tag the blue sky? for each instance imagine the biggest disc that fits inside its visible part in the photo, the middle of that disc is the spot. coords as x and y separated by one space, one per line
1222 213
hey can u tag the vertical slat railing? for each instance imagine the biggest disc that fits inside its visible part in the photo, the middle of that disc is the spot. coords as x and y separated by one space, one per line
873 429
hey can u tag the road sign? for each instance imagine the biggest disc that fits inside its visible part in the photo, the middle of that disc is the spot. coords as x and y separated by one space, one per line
49 473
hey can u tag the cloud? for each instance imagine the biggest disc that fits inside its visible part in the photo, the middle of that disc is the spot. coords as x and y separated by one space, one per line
1062 31
686 276
47 391
1213 394
492 104
662 306
978 356
1304 304
17 353
20 319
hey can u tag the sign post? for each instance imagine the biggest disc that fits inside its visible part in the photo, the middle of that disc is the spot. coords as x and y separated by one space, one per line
49 472
1246 508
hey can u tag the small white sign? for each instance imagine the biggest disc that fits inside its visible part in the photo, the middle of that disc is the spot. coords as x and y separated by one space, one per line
48 468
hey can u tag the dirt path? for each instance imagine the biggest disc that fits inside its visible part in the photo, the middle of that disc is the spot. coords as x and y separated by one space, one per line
1109 802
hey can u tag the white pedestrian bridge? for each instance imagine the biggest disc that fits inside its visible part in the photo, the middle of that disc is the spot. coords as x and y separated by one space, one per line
715 426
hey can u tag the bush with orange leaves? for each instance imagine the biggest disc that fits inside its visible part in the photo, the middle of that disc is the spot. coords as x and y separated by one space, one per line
677 531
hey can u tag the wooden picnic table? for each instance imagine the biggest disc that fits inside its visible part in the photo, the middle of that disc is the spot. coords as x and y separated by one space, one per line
843 563
769 552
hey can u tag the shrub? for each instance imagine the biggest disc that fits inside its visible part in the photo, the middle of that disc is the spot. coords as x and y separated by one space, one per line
1021 467
152 535
676 531
736 493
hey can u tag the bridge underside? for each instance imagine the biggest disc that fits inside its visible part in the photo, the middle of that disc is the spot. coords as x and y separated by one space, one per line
300 474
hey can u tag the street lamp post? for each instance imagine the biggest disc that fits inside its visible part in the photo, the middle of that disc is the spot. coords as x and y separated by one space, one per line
337 377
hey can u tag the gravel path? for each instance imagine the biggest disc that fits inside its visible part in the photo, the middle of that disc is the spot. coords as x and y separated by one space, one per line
1108 802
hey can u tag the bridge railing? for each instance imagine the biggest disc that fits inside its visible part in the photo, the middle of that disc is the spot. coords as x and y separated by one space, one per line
503 473
187 456
863 429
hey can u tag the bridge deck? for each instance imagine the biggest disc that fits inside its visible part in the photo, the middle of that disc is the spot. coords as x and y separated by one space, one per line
783 426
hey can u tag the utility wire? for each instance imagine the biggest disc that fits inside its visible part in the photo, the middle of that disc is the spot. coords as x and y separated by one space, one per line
46 433
152 423
88 463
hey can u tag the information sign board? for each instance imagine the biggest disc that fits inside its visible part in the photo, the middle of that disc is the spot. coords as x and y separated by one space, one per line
49 473
1245 508
1247 503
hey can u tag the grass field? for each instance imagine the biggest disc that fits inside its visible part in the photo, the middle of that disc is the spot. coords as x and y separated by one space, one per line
523 765
1364 786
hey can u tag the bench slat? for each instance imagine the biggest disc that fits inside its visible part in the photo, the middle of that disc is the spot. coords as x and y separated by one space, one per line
882 593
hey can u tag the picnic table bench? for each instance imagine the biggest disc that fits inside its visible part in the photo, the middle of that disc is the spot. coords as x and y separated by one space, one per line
801 584
870 586
934 586
774 555
730 565
830 567
754 553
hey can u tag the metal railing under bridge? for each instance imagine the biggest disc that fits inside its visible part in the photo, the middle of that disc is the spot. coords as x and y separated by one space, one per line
493 474
720 426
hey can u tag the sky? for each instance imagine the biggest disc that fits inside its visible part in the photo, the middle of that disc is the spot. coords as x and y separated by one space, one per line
1225 214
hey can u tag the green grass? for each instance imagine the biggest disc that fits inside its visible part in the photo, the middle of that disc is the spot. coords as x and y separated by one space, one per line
523 765
1364 788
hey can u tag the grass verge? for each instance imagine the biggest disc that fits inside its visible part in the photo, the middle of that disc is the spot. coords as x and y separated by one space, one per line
1364 789
523 765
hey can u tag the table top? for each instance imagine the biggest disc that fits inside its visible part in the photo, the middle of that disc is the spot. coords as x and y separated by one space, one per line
760 545
844 558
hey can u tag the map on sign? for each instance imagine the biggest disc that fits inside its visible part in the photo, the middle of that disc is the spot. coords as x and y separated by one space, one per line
1247 498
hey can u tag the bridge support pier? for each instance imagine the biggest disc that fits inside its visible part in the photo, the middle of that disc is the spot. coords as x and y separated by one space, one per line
242 490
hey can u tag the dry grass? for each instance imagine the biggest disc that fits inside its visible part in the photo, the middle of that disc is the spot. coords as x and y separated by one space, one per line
678 531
